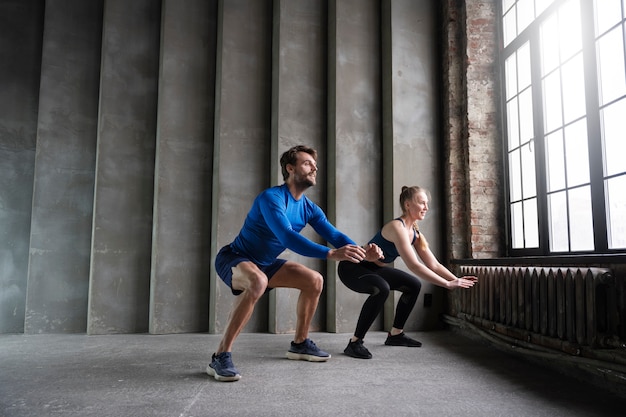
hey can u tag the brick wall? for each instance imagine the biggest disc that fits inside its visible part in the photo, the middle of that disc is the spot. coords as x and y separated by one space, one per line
471 130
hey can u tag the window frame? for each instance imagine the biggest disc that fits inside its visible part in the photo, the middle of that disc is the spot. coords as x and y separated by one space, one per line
532 34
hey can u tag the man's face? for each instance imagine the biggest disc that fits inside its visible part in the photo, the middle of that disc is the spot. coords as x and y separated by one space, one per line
305 170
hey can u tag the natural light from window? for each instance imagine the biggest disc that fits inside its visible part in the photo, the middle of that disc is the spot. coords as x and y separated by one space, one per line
565 103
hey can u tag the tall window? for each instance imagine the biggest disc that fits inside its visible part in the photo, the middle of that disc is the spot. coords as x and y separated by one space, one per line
565 103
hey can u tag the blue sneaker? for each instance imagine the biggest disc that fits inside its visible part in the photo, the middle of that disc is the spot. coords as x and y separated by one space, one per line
222 369
307 351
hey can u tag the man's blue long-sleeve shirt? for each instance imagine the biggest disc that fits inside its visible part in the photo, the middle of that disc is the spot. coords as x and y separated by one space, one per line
274 224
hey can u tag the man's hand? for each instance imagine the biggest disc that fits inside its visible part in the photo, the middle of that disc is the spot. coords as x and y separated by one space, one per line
352 253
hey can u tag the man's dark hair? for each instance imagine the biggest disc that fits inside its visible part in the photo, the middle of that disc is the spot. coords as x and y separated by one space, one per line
290 158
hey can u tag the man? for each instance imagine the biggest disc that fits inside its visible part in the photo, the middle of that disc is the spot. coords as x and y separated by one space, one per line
250 265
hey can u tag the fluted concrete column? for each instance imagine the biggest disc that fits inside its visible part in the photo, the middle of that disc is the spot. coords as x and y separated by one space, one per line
119 289
20 42
411 147
299 92
182 204
58 279
354 134
242 136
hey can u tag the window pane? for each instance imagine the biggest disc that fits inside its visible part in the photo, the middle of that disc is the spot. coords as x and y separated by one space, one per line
552 102
529 186
614 137
612 77
581 224
531 223
525 14
555 158
523 66
517 226
577 154
506 4
515 176
561 36
549 45
608 14
570 30
526 116
512 123
510 27
557 208
616 212
541 5
511 76
573 89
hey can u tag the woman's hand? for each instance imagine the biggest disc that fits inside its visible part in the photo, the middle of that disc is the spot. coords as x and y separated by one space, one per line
373 252
466 281
352 253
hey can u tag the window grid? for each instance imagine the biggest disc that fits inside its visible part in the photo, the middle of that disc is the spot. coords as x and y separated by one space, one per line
564 152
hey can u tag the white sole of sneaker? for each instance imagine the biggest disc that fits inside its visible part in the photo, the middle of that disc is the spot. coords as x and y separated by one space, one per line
221 378
303 357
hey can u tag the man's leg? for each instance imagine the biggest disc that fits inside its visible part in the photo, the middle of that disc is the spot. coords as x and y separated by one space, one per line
310 283
247 277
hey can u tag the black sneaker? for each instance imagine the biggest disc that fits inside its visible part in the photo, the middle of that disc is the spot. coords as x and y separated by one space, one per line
307 351
357 350
222 369
401 340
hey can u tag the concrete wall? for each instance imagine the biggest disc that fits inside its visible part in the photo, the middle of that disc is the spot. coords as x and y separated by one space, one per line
299 90
242 135
62 206
119 290
354 137
411 141
21 28
179 287
137 134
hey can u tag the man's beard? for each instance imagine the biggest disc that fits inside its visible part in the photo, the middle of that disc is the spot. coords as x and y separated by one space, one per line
303 181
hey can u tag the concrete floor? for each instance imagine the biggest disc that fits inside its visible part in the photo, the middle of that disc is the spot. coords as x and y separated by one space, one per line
149 375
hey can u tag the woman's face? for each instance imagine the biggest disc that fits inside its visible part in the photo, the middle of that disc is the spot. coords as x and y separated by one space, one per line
418 206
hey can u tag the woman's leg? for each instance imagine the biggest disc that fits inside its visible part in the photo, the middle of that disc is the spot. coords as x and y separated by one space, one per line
366 281
409 285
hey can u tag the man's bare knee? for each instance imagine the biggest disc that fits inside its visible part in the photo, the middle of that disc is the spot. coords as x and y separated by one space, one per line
252 282
316 283
257 285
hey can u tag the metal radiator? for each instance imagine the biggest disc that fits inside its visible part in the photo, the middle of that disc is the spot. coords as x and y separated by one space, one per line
558 307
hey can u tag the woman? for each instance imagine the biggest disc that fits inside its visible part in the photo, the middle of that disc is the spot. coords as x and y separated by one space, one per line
399 237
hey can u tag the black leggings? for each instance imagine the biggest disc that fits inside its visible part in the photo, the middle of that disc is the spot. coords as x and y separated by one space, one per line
377 281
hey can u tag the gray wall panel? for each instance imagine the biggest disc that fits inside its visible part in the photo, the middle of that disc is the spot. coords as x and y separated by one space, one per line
411 144
20 62
354 135
122 225
242 135
299 118
182 225
58 278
